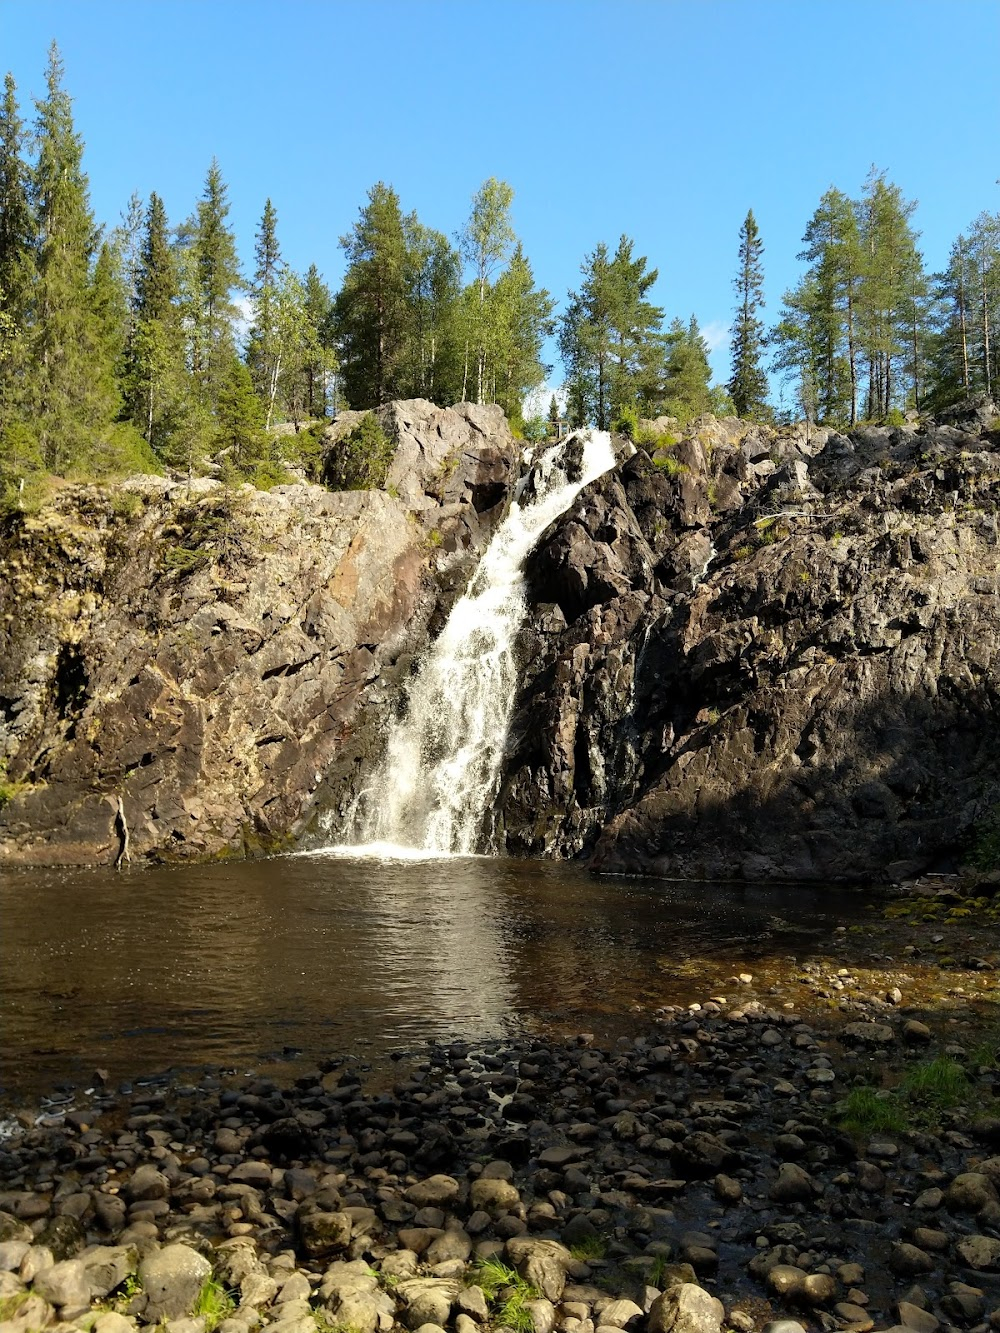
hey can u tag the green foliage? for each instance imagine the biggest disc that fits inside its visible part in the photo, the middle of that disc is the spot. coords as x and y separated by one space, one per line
686 392
8 788
927 1088
667 463
214 1304
307 449
627 423
493 1276
370 310
506 1292
610 338
865 1111
937 1084
594 1247
536 430
362 458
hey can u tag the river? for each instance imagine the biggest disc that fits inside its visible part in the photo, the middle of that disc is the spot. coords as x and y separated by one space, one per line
291 960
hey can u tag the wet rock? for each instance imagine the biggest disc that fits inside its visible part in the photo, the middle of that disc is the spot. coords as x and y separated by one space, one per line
969 1193
868 1034
112 1322
920 1320
793 1185
472 1302
916 1033
727 1189
908 1260
979 1252
427 1300
493 1196
621 1314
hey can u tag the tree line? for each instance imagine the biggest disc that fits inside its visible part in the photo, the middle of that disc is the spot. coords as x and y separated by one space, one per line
867 332
130 349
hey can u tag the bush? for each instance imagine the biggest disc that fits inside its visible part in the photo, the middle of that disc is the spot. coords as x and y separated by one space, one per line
306 448
627 423
362 458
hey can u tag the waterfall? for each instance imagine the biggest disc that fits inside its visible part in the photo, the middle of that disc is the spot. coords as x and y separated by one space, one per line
442 764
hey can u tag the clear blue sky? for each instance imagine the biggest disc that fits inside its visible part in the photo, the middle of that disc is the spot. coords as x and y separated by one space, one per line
662 119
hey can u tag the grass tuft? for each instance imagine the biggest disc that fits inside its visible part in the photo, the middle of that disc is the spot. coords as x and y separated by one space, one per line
214 1304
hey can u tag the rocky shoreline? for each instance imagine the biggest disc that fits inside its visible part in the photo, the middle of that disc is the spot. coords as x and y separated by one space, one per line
698 1177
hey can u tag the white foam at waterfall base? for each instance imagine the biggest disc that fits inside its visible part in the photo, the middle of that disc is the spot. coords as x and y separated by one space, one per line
442 764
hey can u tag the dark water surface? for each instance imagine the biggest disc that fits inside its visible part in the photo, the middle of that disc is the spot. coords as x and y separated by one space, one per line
297 958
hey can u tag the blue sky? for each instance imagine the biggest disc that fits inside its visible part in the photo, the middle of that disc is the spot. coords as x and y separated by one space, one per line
662 119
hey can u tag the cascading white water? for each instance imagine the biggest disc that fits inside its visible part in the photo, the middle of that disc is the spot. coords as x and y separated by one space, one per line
442 762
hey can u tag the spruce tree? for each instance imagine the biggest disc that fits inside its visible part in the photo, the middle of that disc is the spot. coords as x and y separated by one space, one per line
213 277
748 383
17 255
321 360
73 390
610 338
158 386
263 344
371 312
686 392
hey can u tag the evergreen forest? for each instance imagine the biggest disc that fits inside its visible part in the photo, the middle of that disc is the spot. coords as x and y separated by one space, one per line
144 347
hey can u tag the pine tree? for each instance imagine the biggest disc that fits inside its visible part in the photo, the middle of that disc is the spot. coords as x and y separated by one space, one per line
371 313
892 280
74 395
748 383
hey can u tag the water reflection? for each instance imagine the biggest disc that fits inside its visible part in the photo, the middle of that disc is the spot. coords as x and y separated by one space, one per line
225 964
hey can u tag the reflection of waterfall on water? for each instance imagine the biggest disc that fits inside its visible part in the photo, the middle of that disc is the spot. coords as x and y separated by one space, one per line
442 761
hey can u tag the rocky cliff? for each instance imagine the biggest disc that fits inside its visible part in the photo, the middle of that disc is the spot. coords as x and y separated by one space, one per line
765 653
205 656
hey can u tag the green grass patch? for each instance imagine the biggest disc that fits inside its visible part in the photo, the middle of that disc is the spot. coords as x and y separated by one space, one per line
592 1247
507 1294
939 1084
867 1111
214 1304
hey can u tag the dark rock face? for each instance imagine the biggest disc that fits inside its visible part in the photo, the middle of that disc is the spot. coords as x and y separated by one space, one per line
207 657
774 657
